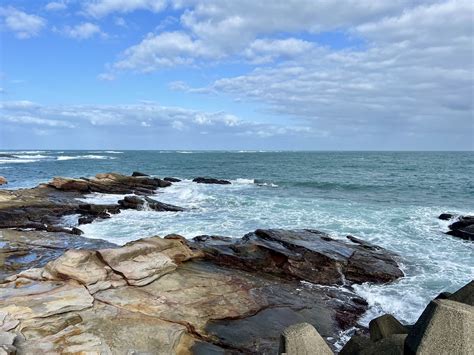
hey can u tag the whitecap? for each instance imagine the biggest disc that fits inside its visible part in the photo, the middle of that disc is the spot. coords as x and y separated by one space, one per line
68 157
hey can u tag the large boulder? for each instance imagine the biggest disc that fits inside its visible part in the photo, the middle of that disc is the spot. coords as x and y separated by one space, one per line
137 173
171 179
385 326
303 339
3 181
205 180
308 255
445 327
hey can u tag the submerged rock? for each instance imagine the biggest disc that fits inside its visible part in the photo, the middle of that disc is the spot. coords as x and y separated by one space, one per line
204 180
3 181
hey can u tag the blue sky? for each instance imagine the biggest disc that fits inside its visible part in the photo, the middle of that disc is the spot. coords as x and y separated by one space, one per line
224 74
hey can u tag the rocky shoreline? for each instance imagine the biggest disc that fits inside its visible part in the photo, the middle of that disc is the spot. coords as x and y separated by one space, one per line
64 293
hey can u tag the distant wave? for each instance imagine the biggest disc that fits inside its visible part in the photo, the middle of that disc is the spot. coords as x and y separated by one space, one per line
14 161
106 151
23 152
68 157
184 152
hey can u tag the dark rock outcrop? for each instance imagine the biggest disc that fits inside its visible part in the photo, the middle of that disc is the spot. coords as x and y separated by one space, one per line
171 179
43 207
204 180
137 173
303 254
462 228
111 183
138 203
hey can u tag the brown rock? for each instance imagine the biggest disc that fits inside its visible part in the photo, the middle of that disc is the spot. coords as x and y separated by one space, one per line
3 181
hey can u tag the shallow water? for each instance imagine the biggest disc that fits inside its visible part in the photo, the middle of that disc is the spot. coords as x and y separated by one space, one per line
391 199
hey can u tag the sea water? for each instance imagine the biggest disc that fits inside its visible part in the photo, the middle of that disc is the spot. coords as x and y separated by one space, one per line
391 199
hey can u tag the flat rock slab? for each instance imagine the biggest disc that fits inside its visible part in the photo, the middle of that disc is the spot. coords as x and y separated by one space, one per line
22 250
303 254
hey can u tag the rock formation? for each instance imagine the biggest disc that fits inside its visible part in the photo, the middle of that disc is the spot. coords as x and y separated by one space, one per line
204 180
185 299
462 227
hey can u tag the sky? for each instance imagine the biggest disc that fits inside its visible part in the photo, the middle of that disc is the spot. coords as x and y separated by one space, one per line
247 74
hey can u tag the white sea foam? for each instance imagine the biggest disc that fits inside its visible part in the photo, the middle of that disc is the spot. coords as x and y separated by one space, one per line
68 157
16 161
243 181
101 199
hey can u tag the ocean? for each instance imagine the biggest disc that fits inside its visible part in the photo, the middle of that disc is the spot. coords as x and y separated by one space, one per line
391 199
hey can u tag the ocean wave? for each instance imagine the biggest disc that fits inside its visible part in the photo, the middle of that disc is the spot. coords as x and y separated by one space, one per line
36 156
15 161
184 152
243 181
68 157
23 152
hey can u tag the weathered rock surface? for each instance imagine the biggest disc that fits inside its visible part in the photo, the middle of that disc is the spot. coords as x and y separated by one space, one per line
204 180
22 250
163 296
303 254
110 183
462 228
3 180
303 339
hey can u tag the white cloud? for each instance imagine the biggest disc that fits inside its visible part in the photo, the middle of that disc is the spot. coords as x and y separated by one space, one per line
83 31
163 50
22 24
32 120
267 50
100 8
56 6
147 115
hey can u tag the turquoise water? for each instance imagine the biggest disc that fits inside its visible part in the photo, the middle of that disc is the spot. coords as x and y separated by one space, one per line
389 198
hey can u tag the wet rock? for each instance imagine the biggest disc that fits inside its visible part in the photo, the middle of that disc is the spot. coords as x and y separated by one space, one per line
22 250
303 339
445 216
138 203
462 228
304 254
385 326
204 180
445 327
172 179
137 173
3 180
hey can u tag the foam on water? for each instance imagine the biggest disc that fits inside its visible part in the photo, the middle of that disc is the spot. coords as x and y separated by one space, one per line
66 157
